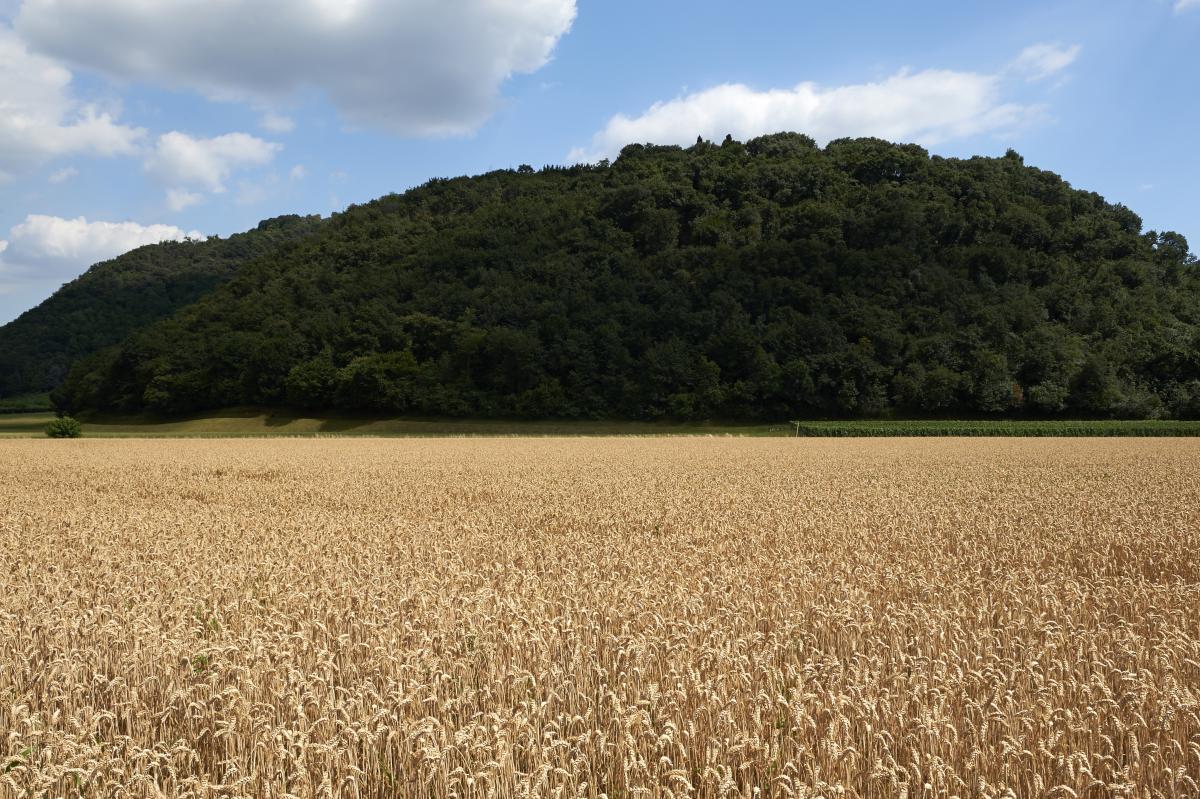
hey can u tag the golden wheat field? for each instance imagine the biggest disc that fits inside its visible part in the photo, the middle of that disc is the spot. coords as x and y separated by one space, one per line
600 618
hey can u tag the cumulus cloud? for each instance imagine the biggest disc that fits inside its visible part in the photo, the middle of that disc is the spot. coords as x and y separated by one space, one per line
927 107
183 163
50 247
41 119
414 67
1041 61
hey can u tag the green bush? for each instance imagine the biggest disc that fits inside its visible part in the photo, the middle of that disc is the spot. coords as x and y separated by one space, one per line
64 427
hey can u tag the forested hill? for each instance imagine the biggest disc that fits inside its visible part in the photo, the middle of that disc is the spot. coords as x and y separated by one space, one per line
117 297
766 280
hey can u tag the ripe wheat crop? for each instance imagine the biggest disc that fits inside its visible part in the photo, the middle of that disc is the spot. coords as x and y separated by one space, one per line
586 618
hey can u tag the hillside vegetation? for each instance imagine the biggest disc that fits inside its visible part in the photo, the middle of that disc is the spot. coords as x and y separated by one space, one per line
117 297
759 281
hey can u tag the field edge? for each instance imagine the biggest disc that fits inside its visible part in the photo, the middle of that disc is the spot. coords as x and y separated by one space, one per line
251 422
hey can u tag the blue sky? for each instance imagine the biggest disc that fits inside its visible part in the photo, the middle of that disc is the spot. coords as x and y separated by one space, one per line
124 122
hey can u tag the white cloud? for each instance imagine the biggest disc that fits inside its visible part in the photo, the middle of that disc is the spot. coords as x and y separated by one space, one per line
64 174
927 107
40 118
1040 61
1184 5
299 172
50 247
277 123
414 67
183 163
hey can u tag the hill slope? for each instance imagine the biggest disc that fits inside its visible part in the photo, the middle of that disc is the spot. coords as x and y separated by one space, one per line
117 297
755 281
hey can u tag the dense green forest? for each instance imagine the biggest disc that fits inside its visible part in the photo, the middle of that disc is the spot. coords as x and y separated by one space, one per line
117 297
761 281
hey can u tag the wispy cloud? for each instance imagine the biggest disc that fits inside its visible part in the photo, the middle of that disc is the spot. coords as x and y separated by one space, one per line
1042 61
63 175
277 123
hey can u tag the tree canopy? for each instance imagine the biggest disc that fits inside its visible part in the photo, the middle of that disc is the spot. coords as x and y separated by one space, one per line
761 280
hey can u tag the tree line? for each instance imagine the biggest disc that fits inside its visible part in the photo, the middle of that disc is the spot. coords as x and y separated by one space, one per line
761 280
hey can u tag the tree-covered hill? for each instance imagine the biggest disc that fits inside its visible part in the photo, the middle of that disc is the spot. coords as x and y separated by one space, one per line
767 280
117 297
